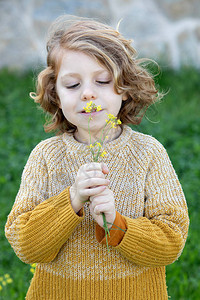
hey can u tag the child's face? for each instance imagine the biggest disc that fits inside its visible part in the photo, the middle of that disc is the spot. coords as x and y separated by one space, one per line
82 79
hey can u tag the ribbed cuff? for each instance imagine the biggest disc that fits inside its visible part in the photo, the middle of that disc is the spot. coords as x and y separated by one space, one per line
67 215
150 243
116 234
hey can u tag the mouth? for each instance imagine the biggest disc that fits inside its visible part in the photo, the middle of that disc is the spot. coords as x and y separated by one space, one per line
93 112
84 112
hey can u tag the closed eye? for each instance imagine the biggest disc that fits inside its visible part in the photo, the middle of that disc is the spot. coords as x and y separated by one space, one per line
103 82
72 86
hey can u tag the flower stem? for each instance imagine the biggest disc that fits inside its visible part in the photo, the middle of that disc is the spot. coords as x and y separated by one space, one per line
107 232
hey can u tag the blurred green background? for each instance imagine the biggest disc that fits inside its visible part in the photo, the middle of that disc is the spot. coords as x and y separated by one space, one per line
175 122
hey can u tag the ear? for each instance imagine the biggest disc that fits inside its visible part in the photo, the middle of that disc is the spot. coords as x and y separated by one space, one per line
124 97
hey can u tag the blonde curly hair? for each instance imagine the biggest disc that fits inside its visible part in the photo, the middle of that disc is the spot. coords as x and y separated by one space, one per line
111 50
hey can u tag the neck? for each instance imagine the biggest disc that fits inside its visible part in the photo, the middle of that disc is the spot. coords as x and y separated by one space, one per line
113 134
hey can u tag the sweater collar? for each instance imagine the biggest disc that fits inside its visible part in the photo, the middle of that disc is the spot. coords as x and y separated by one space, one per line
112 146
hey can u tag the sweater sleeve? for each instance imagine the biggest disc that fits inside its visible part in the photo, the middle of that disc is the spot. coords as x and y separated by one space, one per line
158 238
38 226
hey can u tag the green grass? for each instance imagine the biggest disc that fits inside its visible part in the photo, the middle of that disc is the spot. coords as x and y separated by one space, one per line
175 123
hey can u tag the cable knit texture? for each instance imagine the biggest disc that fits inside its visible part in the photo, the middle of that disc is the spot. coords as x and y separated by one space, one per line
72 262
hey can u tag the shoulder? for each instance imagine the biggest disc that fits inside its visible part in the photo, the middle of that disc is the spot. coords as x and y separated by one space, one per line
49 150
148 151
146 143
49 144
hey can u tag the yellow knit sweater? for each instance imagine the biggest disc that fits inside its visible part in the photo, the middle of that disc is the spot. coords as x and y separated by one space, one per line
42 227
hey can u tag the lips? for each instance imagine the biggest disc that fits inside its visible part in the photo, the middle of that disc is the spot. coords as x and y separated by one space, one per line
84 112
93 112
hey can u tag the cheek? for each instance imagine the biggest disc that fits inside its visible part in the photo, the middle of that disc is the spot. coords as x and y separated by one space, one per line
64 97
116 103
68 105
67 111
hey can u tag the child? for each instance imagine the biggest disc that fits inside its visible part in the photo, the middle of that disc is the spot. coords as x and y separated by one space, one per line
52 223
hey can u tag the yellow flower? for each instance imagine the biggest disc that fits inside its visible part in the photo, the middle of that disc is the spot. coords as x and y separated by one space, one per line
98 144
32 270
111 117
33 265
5 280
112 120
89 104
91 107
113 125
87 109
103 153
91 146
98 107
9 280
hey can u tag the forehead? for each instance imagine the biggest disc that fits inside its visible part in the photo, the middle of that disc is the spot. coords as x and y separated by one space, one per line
78 60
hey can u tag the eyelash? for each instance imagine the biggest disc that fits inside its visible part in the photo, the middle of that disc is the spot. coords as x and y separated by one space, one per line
77 84
73 86
103 82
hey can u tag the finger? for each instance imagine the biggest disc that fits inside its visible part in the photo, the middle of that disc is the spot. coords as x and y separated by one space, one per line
91 174
107 194
92 166
93 191
94 182
100 198
84 172
102 208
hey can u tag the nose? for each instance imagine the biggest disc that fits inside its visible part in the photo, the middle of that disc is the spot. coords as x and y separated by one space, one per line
88 94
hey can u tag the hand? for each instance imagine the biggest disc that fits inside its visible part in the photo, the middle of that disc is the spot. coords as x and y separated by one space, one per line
103 203
90 181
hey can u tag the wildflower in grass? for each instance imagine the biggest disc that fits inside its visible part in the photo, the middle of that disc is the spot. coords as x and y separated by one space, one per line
9 280
4 280
32 269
